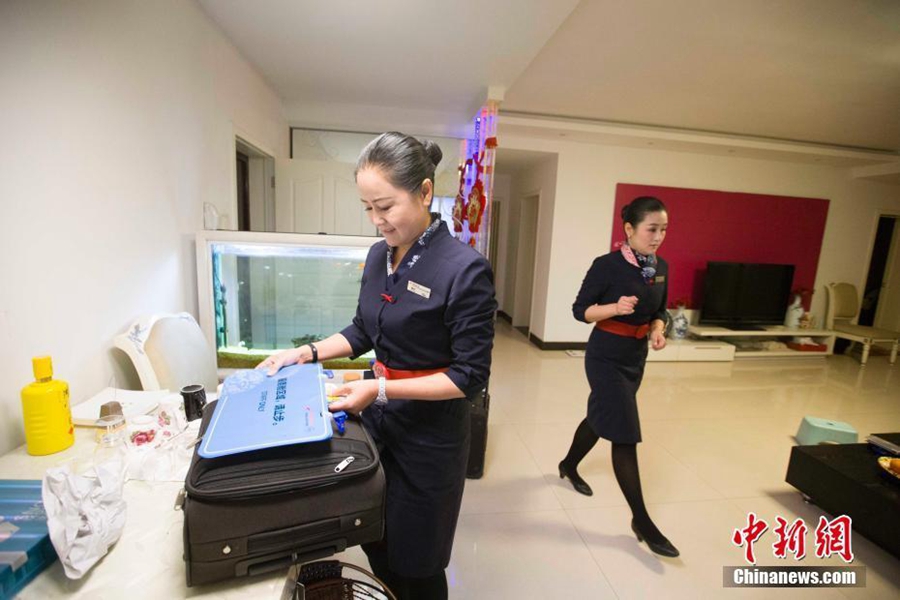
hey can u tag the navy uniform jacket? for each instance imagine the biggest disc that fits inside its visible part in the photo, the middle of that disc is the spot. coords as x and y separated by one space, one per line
615 364
611 277
453 327
424 445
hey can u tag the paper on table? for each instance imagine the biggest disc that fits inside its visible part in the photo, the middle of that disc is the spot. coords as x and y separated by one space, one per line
133 403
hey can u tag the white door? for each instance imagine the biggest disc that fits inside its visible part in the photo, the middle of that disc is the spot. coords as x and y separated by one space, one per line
314 196
887 315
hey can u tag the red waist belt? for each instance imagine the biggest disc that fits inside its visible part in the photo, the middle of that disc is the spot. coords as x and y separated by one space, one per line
623 329
383 371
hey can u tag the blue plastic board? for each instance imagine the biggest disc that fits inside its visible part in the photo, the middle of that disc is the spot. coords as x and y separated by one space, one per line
25 548
256 411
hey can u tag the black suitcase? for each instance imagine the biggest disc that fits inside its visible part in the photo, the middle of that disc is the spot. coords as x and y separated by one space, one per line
264 510
481 405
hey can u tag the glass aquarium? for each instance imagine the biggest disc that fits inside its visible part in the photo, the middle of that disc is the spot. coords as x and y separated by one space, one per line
264 292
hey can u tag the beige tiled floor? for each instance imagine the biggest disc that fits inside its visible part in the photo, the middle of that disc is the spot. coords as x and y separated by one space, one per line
716 443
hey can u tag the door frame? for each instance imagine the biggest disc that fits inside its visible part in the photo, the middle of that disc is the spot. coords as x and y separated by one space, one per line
536 194
895 240
257 152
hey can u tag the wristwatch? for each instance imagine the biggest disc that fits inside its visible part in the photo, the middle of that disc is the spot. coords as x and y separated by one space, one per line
381 398
314 351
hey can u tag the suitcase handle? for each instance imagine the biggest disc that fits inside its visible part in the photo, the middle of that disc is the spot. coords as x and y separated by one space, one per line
281 560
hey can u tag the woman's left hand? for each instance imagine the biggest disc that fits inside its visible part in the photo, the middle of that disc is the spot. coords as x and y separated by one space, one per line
657 339
356 395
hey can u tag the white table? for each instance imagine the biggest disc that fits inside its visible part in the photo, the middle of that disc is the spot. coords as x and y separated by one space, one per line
146 562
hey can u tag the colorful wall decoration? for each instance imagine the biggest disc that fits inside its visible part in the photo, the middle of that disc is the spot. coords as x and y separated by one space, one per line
472 209
708 225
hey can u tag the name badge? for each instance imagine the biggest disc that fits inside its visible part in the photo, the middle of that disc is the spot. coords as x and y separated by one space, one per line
417 289
660 278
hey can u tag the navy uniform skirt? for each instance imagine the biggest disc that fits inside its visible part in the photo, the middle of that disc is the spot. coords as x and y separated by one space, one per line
424 448
615 367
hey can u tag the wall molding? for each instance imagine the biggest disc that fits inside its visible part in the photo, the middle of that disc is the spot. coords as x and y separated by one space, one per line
556 345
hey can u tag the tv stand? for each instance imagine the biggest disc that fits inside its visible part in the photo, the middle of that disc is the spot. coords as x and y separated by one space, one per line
744 327
775 332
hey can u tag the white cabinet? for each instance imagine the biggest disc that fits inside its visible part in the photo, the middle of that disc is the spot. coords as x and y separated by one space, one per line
771 332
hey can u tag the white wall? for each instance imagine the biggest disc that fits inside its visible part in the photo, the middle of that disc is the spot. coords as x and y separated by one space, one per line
508 234
120 120
501 189
525 259
582 214
536 180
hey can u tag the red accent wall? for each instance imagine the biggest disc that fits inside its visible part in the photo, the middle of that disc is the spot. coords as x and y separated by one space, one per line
707 225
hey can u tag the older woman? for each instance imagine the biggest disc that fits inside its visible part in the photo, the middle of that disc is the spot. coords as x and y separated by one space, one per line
426 306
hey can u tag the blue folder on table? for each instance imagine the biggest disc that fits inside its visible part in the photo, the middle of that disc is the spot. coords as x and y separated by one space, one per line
25 548
255 411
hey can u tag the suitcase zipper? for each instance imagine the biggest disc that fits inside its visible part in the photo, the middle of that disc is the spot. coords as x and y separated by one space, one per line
222 486
240 492
344 464
275 467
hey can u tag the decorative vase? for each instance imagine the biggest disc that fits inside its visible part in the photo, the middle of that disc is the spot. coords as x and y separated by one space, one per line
794 313
679 324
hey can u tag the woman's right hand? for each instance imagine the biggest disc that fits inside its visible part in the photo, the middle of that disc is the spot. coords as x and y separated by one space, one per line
293 356
625 305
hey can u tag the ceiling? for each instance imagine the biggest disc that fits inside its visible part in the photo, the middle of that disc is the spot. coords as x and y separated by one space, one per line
388 63
816 71
511 160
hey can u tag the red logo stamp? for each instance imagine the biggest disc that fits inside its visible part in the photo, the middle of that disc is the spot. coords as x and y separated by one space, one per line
831 537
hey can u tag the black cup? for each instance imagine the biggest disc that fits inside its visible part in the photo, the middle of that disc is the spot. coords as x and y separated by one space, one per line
194 401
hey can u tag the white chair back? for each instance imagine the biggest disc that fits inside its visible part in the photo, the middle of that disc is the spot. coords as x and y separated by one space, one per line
843 303
169 351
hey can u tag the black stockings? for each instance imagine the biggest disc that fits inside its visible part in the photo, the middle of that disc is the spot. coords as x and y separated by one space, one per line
625 466
584 441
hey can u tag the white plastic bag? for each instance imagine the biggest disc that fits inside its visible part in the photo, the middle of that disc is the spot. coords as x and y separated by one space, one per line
85 513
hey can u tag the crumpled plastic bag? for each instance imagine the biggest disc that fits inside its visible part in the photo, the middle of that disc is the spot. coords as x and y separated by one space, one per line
85 513
167 460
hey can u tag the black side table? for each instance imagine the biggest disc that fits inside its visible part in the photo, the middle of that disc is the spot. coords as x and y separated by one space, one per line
845 479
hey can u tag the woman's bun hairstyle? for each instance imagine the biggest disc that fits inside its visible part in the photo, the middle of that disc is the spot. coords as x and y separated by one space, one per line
434 152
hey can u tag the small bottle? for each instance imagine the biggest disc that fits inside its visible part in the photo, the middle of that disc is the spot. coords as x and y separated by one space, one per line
45 407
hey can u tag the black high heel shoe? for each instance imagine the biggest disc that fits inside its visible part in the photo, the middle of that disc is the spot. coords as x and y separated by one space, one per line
664 548
581 486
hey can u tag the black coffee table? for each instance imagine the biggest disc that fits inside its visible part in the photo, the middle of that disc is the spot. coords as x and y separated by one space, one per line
845 479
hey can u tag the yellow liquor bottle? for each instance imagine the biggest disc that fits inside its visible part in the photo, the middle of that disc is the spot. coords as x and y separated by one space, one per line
45 407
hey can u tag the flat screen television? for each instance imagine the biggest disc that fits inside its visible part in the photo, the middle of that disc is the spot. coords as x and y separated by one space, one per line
745 295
